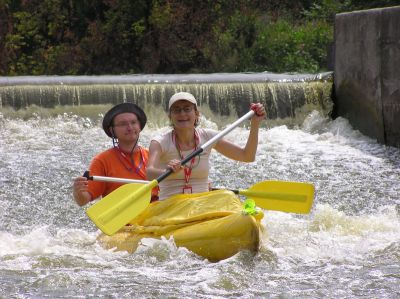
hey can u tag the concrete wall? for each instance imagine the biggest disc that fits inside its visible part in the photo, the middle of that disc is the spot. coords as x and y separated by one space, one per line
367 72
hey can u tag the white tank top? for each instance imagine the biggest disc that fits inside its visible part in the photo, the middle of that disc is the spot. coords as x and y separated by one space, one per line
175 183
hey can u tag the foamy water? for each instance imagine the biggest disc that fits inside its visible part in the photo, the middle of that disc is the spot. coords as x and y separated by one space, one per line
348 246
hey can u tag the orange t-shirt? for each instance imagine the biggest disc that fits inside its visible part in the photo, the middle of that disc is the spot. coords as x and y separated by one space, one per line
114 163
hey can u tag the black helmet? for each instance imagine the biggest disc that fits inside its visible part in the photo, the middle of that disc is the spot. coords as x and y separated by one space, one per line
123 108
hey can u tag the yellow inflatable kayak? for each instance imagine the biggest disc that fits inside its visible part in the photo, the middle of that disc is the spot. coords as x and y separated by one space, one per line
210 224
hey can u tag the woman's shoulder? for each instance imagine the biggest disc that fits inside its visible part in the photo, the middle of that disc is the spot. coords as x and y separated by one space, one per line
207 133
162 136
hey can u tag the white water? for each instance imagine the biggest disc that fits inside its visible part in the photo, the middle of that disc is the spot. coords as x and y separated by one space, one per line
347 247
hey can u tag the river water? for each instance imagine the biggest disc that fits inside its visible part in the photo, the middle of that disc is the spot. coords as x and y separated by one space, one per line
347 247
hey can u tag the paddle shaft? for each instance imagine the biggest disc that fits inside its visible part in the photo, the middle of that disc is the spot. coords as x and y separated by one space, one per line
270 195
112 179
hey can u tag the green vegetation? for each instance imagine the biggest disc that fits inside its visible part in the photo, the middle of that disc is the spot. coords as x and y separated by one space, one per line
92 37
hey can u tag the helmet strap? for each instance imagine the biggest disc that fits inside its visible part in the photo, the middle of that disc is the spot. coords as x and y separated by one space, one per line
114 139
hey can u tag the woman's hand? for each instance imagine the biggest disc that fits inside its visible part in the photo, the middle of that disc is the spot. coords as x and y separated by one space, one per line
175 165
259 110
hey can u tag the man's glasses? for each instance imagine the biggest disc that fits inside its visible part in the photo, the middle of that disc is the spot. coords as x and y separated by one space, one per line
177 110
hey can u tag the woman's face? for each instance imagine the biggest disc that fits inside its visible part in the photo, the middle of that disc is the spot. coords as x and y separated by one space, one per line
183 114
126 127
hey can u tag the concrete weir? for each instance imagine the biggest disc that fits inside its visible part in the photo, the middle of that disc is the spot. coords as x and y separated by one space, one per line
367 72
289 98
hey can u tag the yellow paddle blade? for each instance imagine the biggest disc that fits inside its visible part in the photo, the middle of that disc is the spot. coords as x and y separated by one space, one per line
292 197
120 206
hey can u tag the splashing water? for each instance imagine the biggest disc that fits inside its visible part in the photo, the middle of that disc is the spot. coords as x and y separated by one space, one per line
348 246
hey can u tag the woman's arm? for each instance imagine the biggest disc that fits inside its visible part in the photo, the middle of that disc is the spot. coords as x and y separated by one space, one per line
247 153
153 163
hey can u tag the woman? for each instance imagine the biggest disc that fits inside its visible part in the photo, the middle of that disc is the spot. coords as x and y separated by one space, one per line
126 159
167 150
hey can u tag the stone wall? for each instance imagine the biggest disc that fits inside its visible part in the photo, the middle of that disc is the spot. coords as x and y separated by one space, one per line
367 72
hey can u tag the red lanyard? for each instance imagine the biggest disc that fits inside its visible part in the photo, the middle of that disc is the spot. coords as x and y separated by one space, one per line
132 163
187 170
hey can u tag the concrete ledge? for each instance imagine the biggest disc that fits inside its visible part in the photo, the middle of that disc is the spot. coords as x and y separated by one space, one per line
367 72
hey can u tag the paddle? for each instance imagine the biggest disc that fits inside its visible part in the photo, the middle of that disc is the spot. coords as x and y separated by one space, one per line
122 205
291 197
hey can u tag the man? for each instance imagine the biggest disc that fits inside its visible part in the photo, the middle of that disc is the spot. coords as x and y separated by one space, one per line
126 159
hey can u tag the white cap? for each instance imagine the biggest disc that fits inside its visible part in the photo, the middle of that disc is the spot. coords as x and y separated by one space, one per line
179 96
